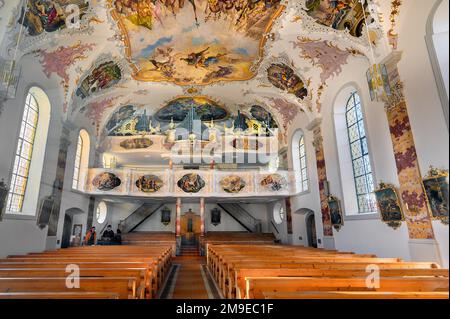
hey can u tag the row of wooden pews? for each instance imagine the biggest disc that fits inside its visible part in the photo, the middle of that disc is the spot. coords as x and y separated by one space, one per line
105 272
221 238
288 272
150 239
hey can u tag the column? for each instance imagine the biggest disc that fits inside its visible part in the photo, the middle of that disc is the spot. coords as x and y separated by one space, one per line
322 177
178 222
202 217
58 184
178 226
417 214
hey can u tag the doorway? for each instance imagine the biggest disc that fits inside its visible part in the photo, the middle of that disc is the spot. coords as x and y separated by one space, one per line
311 230
67 231
190 229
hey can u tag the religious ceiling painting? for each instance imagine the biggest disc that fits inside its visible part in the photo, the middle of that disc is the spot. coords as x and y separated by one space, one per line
233 184
136 143
284 78
178 109
195 41
339 14
106 182
260 114
149 183
191 183
274 183
49 15
102 77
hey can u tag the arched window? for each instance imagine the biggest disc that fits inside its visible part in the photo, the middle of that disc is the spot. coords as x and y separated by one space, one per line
279 213
303 165
359 150
300 161
23 156
76 171
81 160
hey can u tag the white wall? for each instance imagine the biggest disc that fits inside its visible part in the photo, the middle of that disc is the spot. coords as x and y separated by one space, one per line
153 224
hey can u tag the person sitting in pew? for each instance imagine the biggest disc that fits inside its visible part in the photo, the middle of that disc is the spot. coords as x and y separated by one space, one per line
91 237
108 234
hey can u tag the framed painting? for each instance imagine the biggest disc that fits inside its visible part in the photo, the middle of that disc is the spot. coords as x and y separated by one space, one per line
436 189
337 218
389 205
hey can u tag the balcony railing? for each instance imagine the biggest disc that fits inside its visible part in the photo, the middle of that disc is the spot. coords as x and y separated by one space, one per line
189 183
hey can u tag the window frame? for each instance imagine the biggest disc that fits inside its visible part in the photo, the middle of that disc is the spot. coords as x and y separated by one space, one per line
19 158
77 165
359 122
304 178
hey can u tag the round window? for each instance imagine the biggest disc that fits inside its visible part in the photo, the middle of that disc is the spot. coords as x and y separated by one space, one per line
101 212
279 213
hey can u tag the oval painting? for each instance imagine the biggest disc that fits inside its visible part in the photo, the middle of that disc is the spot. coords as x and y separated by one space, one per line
233 184
149 183
136 143
274 183
106 181
191 183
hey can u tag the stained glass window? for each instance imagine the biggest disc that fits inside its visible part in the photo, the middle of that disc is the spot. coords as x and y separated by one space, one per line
76 172
303 165
362 169
24 152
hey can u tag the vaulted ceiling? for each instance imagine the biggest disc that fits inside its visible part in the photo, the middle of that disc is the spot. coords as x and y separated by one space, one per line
275 53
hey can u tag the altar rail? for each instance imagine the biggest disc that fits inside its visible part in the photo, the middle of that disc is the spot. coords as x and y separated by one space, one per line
189 183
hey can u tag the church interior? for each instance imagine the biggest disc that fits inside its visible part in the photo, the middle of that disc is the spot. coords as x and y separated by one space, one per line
224 149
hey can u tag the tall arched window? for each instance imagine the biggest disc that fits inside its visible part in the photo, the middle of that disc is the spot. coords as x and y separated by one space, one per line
77 166
359 149
303 165
81 160
24 153
300 161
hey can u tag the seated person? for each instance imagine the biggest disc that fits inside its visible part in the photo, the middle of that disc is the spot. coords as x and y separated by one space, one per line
108 234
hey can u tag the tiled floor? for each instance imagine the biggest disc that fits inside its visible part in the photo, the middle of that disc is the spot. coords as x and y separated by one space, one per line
189 282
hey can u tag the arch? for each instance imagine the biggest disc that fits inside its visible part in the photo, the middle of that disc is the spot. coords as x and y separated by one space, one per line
437 33
351 183
81 164
29 158
300 161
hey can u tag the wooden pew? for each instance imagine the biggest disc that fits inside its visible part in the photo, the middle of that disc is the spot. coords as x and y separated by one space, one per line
256 287
261 271
59 295
125 287
153 263
236 288
354 295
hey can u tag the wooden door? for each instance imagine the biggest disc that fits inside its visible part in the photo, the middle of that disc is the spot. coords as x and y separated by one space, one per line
190 228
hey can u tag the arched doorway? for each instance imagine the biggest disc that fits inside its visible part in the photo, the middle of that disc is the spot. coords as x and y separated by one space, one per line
67 231
190 229
311 230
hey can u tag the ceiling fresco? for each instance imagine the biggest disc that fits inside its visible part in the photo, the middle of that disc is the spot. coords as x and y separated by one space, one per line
196 41
49 15
102 77
272 60
339 14
178 109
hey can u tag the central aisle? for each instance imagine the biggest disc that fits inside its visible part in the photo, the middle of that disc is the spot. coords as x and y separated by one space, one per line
189 280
